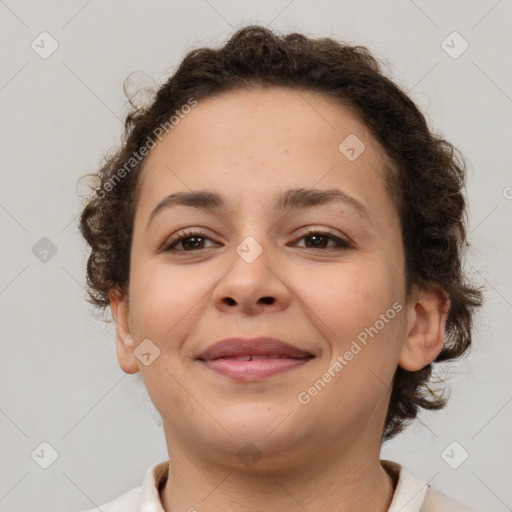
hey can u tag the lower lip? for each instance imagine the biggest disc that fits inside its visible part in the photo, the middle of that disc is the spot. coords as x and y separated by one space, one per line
253 370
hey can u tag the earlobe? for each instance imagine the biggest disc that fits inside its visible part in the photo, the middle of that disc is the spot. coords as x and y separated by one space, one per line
426 328
119 306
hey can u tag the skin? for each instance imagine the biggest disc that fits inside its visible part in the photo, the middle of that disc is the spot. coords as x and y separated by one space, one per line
250 145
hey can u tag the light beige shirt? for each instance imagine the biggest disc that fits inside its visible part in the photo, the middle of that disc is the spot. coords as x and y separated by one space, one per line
411 494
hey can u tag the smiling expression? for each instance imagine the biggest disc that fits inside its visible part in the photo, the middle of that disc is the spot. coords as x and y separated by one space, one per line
262 170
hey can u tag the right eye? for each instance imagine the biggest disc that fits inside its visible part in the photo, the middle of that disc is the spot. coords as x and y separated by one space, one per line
188 238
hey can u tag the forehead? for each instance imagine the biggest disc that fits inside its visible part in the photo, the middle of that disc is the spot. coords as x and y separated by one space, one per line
265 119
263 139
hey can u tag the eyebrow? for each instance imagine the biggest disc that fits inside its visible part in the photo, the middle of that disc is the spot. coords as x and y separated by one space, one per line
291 199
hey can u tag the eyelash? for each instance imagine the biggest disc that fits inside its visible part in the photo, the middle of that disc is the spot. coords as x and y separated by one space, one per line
170 245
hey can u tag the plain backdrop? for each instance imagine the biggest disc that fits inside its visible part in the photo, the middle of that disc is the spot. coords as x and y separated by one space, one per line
60 380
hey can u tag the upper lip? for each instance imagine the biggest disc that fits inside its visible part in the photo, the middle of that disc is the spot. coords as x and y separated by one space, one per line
233 347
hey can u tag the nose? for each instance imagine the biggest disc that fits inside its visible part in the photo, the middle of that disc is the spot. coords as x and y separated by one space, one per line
252 287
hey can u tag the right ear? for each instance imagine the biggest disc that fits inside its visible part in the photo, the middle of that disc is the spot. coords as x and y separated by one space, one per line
120 308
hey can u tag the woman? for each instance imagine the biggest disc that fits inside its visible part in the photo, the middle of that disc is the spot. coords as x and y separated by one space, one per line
279 239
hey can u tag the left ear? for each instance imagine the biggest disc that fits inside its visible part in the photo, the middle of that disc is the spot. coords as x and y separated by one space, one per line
427 313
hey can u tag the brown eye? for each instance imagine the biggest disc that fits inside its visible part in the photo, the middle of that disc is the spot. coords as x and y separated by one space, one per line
189 241
320 240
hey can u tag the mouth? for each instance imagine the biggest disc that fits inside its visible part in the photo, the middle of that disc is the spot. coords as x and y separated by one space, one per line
253 359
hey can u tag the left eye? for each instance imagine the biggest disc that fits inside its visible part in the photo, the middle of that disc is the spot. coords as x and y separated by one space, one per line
318 238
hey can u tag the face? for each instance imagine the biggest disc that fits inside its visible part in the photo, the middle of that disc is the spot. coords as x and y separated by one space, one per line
274 255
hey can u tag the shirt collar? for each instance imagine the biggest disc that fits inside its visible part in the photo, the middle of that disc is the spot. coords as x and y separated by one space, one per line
408 496
149 495
409 492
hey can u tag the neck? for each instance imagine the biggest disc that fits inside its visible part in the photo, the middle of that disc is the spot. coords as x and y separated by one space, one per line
354 480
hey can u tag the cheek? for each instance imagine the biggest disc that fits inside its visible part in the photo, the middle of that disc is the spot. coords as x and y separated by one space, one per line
361 315
350 297
161 298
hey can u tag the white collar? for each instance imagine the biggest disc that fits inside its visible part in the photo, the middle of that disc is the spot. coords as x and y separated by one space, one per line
409 493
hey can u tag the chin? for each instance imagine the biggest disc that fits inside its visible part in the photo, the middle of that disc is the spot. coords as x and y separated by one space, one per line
267 430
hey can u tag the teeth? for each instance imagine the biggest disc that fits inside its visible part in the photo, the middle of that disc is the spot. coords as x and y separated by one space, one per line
242 358
255 357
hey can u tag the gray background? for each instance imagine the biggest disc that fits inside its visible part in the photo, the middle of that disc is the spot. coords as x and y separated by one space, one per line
60 380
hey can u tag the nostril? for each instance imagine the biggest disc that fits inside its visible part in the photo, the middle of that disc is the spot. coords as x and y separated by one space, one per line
266 300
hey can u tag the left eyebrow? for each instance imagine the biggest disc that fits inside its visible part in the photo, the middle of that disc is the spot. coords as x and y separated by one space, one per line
291 199
309 198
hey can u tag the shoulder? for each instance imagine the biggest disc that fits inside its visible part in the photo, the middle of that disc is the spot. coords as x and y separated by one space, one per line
436 501
414 495
123 503
145 497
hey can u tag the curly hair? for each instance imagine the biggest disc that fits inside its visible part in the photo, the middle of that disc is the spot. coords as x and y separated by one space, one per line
426 181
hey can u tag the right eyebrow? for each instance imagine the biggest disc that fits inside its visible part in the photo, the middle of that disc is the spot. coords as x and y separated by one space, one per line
202 199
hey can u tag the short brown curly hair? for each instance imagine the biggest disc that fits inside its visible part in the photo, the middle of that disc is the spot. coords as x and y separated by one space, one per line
426 184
